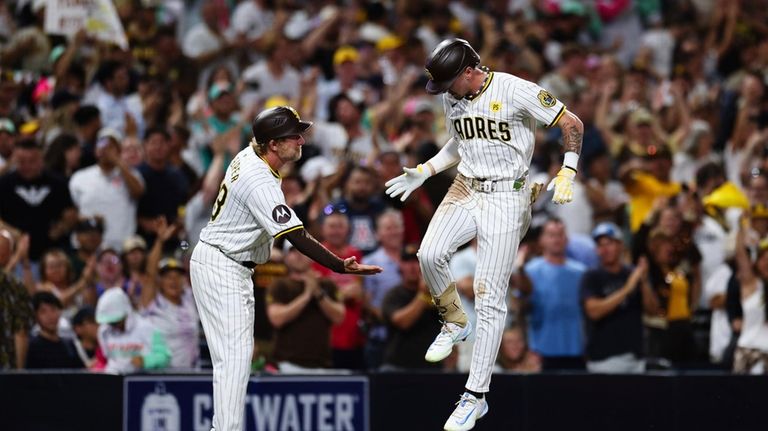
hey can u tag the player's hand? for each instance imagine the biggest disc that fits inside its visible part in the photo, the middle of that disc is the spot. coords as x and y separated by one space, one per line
406 183
352 267
563 185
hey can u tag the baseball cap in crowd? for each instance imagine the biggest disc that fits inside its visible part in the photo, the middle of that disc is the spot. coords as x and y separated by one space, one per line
344 54
7 126
113 306
134 242
89 224
275 101
640 116
417 105
410 252
388 43
170 264
217 90
108 133
607 229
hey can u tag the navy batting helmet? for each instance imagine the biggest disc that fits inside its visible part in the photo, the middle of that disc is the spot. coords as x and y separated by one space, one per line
446 63
278 122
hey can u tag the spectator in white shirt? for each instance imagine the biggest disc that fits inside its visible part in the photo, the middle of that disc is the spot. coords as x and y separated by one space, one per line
110 189
210 45
273 75
113 101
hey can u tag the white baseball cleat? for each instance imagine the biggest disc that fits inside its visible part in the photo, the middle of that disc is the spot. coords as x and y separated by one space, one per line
468 410
449 335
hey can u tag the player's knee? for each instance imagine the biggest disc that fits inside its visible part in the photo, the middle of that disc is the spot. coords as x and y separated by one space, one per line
431 258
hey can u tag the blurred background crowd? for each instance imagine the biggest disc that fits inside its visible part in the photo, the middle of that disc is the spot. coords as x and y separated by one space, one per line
111 158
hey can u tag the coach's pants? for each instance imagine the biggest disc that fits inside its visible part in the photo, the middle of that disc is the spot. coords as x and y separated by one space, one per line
224 297
499 221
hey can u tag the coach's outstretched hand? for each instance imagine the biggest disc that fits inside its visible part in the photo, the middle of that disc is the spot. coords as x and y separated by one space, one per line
352 267
406 183
563 185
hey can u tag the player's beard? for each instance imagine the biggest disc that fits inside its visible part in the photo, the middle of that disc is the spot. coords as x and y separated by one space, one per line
289 154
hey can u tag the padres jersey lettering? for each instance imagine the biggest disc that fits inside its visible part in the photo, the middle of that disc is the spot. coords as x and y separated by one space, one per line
250 210
496 129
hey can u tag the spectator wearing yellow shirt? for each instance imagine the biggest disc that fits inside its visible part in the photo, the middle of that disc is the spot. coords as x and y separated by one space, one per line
677 289
645 181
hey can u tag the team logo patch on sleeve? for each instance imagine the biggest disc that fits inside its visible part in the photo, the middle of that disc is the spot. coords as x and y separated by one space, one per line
546 99
281 214
495 106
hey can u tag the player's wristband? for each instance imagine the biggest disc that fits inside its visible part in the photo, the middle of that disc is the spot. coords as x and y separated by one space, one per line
571 160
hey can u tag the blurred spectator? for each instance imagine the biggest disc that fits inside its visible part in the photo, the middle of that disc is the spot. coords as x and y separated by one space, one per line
35 201
646 181
347 337
752 346
362 207
555 324
514 355
134 260
16 314
566 81
302 308
89 232
614 297
411 316
110 275
345 81
118 109
272 76
129 341
417 210
389 232
87 341
29 47
63 156
207 43
109 189
606 195
166 188
166 300
7 138
87 120
670 334
57 278
47 349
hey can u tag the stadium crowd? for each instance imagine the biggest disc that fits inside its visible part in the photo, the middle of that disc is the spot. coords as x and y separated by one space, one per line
111 159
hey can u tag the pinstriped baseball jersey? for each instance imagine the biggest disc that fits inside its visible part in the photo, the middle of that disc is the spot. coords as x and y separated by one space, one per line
250 210
495 130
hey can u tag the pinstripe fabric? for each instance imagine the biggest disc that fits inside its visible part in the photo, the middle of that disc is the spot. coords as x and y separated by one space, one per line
249 213
495 135
223 293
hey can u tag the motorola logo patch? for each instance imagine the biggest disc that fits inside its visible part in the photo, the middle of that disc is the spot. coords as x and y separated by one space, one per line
281 214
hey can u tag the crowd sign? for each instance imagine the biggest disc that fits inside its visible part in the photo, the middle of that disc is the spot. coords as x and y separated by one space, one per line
98 17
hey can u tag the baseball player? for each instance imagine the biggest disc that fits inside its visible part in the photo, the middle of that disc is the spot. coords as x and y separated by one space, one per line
491 119
248 215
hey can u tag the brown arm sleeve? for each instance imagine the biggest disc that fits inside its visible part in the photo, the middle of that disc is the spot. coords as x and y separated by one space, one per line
305 243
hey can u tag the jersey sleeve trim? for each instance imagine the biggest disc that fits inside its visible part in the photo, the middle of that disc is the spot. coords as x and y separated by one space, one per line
290 229
557 117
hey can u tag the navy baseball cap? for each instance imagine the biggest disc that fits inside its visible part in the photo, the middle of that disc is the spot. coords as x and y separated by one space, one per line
607 229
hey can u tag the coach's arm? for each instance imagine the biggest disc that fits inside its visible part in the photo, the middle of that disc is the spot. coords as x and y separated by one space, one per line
309 246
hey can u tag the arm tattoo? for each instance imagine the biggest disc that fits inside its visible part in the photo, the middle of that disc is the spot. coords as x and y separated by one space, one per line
572 137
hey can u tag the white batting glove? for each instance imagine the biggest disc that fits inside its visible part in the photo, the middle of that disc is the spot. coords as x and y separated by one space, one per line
406 183
563 185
